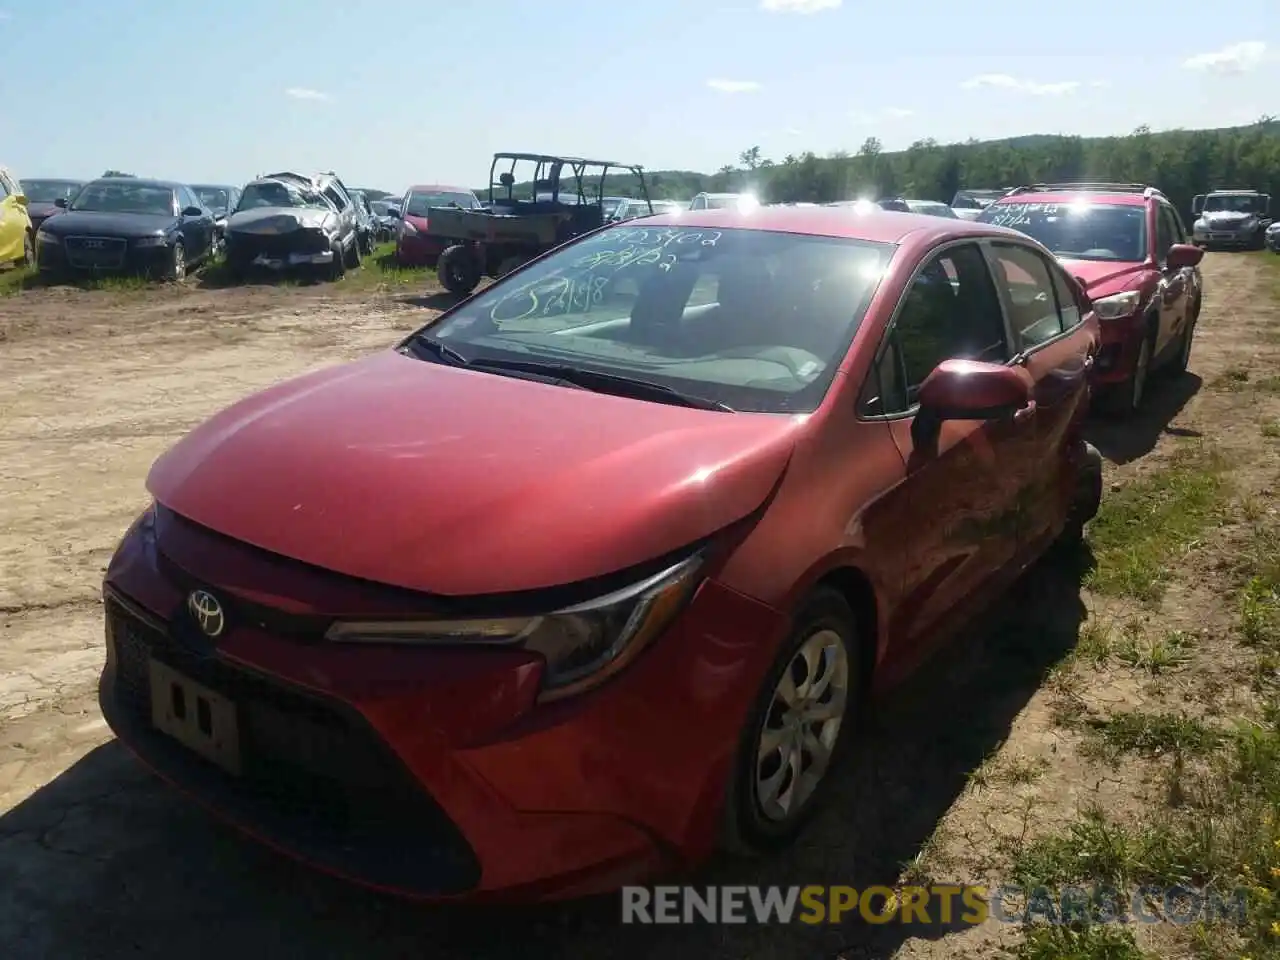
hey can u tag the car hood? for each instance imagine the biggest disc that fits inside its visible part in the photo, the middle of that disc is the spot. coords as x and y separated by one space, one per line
1103 277
1227 218
278 219
39 210
71 222
457 482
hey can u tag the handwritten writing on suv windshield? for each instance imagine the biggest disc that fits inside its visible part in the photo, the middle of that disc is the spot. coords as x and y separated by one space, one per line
1016 214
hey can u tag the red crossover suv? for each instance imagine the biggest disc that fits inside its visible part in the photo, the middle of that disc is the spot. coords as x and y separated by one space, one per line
1127 244
592 572
416 246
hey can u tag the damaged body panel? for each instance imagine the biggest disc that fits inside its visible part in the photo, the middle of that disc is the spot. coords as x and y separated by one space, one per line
287 221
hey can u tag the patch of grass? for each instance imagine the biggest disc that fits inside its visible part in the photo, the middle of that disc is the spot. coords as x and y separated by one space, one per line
1151 735
1231 379
1142 528
380 269
1096 643
1012 771
1155 655
1087 941
16 280
1260 612
1271 429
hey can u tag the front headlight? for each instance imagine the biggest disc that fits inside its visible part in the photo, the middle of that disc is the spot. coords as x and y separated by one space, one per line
44 236
582 645
1117 306
151 241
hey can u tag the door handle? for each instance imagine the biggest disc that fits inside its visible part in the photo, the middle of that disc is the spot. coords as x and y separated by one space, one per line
1026 413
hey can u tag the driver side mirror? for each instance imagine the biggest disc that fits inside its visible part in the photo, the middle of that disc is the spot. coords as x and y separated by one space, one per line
393 212
968 390
62 202
1182 255
192 212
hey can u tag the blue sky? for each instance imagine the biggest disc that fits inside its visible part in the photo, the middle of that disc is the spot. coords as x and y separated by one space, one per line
391 92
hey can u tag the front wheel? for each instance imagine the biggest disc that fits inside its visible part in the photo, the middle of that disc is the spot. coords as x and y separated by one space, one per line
458 269
1125 399
28 250
795 729
1184 349
176 269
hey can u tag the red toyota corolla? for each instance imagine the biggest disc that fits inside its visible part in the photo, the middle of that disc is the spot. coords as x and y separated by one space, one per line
416 245
591 573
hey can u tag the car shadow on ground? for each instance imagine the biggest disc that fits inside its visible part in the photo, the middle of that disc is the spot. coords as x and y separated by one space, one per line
106 862
440 300
1125 440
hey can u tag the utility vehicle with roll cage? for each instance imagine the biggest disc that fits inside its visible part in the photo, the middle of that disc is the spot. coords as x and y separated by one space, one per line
565 199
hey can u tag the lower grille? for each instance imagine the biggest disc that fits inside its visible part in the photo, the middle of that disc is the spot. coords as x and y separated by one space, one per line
95 252
278 246
314 780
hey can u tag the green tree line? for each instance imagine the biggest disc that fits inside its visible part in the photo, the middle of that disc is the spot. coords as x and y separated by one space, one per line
1181 163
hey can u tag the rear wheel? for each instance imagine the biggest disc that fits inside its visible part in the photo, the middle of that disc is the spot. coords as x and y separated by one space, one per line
796 729
176 270
458 269
353 254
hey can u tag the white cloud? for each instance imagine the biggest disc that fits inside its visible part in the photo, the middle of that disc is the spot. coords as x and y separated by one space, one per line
793 131
305 93
1235 58
799 6
1003 81
733 86
1099 84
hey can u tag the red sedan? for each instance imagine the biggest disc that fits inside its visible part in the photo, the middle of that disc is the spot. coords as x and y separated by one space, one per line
591 572
416 246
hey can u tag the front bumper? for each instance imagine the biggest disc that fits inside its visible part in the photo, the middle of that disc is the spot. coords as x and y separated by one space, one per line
1117 357
430 772
1220 238
117 256
302 248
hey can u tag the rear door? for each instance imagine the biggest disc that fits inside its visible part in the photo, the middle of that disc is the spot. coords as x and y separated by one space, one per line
1055 345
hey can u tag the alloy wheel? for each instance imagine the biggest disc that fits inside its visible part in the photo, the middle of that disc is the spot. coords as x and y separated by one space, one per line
801 726
179 262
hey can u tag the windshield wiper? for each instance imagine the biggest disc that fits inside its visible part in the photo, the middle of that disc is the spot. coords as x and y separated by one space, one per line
438 349
611 383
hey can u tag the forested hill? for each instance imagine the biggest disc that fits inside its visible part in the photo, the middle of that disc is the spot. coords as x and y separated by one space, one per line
1182 163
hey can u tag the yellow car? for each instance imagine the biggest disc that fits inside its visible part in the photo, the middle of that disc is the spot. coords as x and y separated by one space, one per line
17 240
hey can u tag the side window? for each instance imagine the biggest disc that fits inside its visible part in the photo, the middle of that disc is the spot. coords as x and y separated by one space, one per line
335 197
1172 226
1030 293
950 311
1180 228
698 203
1068 302
1164 234
4 186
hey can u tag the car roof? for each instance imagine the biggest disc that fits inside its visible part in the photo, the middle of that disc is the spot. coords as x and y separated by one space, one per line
139 182
876 225
1075 196
51 180
704 193
211 186
436 188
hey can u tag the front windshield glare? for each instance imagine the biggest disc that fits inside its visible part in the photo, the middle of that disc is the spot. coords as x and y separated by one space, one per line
125 198
756 320
272 194
213 198
1233 205
420 203
1078 231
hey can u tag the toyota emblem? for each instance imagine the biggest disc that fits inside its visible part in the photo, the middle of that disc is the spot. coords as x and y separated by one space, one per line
207 613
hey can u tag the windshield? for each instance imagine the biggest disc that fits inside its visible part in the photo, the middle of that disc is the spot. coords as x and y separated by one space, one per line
1078 231
1226 203
141 198
610 205
931 208
272 193
47 191
420 203
721 203
215 198
756 320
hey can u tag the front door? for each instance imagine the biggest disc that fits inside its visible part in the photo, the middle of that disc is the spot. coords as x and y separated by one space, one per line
13 221
959 495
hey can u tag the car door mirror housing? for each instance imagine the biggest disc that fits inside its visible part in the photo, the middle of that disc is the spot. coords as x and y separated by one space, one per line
192 212
62 202
1184 255
972 390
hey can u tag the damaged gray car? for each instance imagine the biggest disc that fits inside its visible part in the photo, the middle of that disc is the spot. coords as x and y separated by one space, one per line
286 221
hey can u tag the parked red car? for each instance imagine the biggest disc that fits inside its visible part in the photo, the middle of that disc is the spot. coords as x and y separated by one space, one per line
1127 244
592 571
415 244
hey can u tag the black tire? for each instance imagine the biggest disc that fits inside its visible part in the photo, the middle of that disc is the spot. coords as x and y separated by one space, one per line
28 250
176 269
337 268
1125 399
1183 360
1088 498
747 829
458 269
353 254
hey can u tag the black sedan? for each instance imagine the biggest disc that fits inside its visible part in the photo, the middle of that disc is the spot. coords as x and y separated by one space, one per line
42 196
123 224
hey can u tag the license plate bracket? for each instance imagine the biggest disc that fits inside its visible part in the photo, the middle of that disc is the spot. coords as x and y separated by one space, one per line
195 716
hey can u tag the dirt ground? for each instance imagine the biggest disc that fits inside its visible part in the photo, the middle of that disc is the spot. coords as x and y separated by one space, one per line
99 860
